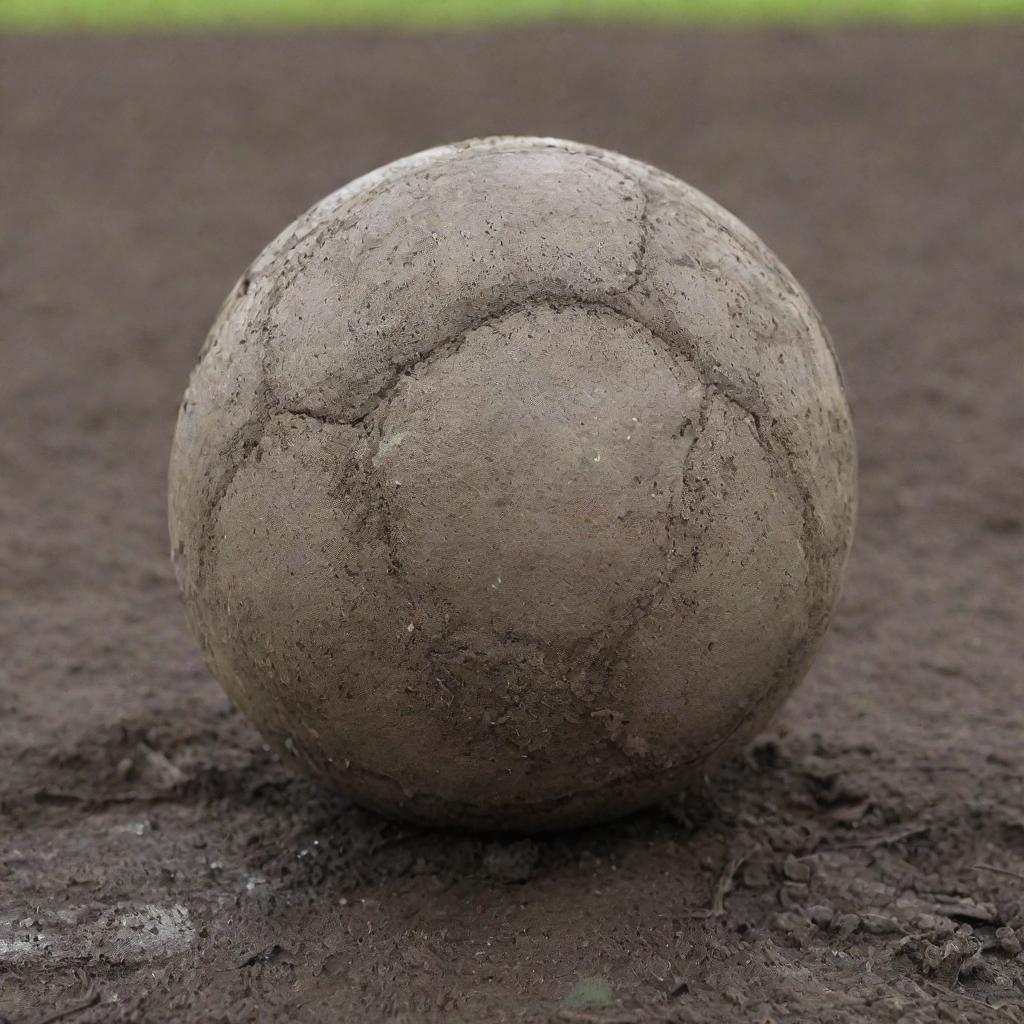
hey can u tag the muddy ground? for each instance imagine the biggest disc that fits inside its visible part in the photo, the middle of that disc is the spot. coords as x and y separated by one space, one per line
862 861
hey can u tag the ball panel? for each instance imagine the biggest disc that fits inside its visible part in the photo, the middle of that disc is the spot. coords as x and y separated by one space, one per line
716 292
532 471
734 615
219 419
311 636
227 401
412 267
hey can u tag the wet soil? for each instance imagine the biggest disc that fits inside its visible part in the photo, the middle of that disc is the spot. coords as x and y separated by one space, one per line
863 860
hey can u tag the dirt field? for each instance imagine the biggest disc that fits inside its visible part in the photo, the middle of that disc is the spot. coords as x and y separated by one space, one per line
863 861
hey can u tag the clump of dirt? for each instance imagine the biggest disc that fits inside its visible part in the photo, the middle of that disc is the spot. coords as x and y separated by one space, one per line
864 861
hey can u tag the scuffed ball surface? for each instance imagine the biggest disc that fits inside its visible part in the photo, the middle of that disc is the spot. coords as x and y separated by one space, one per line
514 485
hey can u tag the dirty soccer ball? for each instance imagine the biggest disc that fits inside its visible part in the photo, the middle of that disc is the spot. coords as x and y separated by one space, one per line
513 487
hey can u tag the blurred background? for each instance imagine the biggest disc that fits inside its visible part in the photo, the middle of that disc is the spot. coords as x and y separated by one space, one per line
165 13
157 863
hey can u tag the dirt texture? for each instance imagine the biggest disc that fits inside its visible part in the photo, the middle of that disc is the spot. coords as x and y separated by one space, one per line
514 486
863 861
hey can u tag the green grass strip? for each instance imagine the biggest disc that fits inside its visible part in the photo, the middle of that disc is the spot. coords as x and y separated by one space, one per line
131 14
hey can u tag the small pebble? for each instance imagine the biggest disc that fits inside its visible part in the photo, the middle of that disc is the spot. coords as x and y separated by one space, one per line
790 922
1008 941
821 915
793 895
755 874
935 924
796 870
880 924
786 838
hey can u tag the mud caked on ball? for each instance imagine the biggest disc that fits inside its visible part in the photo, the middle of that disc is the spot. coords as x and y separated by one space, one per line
513 486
